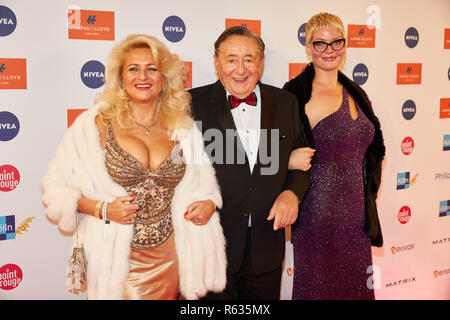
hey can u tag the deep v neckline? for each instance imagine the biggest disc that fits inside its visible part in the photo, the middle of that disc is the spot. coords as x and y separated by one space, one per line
133 158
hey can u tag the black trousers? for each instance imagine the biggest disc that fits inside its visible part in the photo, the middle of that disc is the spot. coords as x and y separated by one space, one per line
246 285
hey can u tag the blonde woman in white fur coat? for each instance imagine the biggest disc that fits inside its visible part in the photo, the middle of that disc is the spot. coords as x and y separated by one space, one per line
135 168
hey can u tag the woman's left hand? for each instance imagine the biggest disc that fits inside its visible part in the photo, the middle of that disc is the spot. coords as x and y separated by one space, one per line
199 212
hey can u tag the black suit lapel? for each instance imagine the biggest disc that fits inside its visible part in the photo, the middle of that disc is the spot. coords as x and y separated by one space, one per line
266 126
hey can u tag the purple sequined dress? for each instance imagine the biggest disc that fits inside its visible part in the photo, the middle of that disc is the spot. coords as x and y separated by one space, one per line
332 252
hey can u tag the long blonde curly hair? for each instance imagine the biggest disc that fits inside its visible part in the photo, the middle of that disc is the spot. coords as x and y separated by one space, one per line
174 102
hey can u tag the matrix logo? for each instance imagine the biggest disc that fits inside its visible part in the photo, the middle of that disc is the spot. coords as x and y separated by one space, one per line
360 73
7 228
10 276
301 34
252 25
8 21
92 74
444 208
361 36
174 29
295 69
407 146
409 109
411 37
9 178
9 126
446 142
404 214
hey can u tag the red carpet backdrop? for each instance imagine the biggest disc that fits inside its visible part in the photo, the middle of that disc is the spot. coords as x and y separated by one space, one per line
52 58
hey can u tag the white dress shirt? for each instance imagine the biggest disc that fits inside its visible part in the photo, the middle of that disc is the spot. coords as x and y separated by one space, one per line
247 120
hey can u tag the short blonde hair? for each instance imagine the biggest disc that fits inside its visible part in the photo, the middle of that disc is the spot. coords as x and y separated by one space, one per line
174 101
322 20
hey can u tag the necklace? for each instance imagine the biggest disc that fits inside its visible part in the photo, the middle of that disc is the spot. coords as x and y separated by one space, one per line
147 128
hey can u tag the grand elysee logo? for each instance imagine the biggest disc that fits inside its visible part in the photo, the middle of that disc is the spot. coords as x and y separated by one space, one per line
295 69
361 36
444 111
409 73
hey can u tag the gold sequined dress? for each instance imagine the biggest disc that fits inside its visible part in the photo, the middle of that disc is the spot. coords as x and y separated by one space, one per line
153 261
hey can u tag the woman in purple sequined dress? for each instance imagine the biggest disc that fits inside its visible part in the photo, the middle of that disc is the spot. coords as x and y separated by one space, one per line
338 221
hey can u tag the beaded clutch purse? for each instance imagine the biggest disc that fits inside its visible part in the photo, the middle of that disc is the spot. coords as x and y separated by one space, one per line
77 269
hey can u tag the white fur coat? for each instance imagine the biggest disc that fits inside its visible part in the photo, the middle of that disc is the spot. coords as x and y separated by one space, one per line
78 168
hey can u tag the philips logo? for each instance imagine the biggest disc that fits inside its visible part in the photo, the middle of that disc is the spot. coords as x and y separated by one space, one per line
301 34
411 37
9 126
360 74
7 228
92 74
174 29
8 21
444 208
442 176
409 109
446 146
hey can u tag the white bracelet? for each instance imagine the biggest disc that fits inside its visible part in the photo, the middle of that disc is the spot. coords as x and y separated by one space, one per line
104 214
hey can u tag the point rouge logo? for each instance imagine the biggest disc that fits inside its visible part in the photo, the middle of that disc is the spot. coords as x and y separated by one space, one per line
9 178
295 69
10 276
252 25
407 146
404 214
8 21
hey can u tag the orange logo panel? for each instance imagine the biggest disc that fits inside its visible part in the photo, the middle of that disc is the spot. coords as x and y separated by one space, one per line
252 25
409 73
361 36
13 73
447 38
295 69
90 24
72 114
188 80
445 108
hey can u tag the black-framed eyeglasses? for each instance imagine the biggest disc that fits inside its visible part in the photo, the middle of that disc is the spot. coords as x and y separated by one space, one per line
322 46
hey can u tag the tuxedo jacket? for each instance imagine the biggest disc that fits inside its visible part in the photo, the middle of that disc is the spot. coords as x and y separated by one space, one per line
243 192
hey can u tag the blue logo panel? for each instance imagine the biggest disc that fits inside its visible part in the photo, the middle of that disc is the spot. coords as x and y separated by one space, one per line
301 34
409 109
444 208
360 74
411 37
446 142
402 180
9 126
7 227
93 74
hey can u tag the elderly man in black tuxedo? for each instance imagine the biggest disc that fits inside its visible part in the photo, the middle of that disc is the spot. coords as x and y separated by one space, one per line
249 130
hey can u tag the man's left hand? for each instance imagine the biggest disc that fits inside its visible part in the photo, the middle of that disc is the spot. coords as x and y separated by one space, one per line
284 210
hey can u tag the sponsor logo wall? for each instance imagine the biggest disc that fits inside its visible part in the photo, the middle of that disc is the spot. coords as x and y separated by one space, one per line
46 81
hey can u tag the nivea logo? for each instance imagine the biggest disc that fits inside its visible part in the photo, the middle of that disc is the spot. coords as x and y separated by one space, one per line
409 109
93 74
360 73
174 29
411 37
301 34
8 21
9 126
